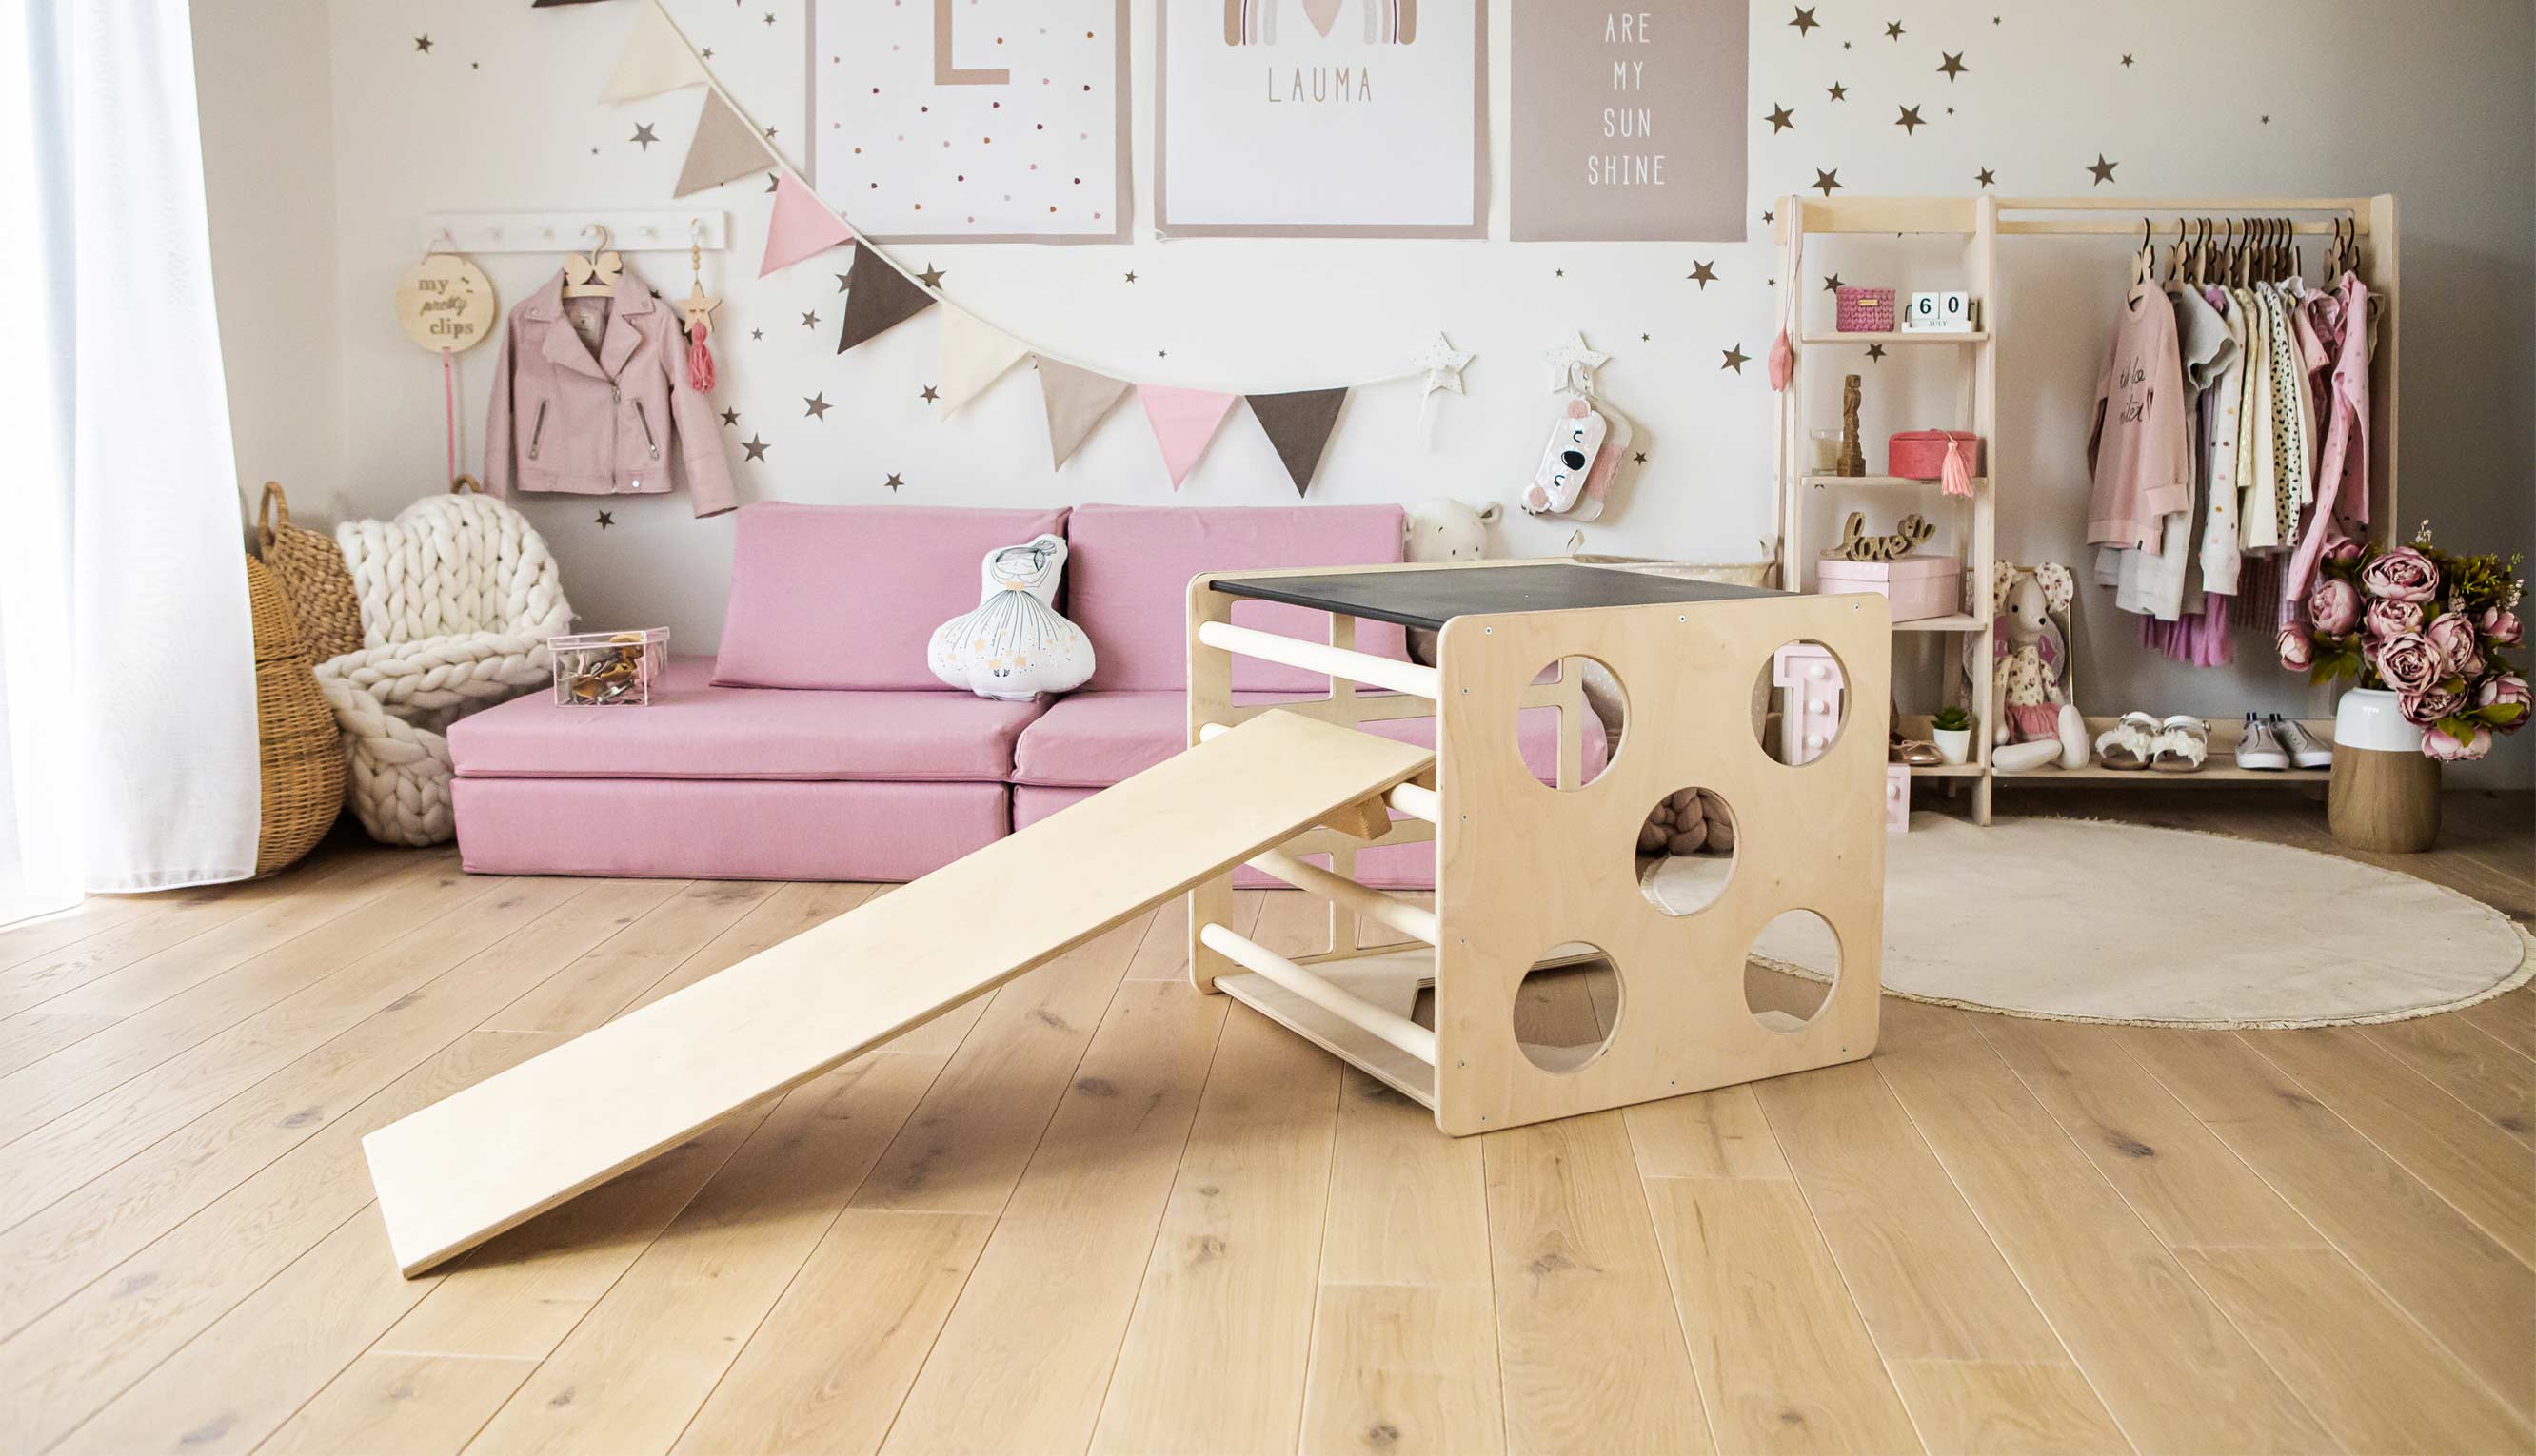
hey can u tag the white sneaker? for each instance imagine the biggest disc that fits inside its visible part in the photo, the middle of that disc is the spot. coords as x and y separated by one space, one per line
2304 750
2261 747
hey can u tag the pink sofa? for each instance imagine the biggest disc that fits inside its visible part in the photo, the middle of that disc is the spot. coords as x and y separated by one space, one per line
818 746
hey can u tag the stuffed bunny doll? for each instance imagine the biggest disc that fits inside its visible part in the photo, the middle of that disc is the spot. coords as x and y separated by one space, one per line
2029 694
1014 646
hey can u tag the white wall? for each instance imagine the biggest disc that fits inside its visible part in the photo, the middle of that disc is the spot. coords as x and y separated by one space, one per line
265 76
2435 102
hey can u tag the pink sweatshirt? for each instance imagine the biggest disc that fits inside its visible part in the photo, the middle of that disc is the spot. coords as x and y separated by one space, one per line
2137 445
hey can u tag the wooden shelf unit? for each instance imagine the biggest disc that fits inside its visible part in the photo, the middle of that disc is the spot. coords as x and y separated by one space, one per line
1980 222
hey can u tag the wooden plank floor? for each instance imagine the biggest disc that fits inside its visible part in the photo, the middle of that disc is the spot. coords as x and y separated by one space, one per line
1096 1212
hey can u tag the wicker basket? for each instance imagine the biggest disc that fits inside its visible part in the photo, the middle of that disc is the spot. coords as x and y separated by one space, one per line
312 568
301 752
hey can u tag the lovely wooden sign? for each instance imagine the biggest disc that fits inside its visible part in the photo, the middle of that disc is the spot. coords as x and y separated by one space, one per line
1908 535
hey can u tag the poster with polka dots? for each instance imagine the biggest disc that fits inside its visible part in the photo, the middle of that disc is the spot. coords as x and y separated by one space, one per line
1322 118
971 120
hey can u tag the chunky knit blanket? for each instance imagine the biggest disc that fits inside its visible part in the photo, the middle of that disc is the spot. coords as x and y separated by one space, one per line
458 597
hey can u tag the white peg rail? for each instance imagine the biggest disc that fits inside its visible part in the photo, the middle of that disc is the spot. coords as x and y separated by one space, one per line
1316 657
567 232
1399 1031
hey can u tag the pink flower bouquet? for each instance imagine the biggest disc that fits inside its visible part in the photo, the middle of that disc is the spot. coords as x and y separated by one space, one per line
2426 625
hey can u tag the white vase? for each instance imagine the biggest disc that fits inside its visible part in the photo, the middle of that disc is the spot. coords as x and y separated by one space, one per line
2372 718
1954 745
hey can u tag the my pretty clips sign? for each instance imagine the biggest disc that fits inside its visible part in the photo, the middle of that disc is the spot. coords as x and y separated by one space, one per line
1629 120
1322 118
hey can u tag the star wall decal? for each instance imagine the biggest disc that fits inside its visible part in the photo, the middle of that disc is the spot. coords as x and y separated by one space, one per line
1839 93
1909 121
1893 31
422 44
1572 364
755 447
1735 359
1875 352
1769 216
1828 181
842 285
2126 60
644 136
932 277
1780 118
1441 365
771 184
1986 177
606 519
816 407
707 52
730 416
1704 273
1639 459
1804 21
931 394
1953 65
757 333
1831 282
1131 277
809 318
893 483
2101 171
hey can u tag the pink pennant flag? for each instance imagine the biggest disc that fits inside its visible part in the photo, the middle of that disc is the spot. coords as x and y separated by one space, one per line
800 226
1183 422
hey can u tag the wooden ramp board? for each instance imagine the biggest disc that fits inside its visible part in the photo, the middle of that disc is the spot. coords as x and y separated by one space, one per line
516 1144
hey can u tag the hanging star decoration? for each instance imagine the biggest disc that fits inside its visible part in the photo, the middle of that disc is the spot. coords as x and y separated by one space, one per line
1703 273
1572 365
816 407
1953 65
1804 21
643 136
1780 118
696 310
932 277
1828 181
606 519
1735 359
2101 171
755 447
1909 121
1441 365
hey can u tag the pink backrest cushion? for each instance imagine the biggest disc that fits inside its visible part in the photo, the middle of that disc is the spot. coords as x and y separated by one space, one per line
846 597
1128 568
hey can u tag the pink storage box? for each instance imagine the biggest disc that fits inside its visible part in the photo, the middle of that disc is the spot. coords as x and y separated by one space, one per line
1916 586
1920 455
1865 310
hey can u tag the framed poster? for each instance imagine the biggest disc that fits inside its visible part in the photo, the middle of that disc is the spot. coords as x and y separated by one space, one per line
1628 123
1322 118
971 120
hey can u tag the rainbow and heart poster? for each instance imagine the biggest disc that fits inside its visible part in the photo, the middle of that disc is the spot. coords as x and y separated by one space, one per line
1322 118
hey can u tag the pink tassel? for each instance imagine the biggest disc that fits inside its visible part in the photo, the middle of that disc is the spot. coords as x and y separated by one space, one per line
1783 361
700 359
1957 471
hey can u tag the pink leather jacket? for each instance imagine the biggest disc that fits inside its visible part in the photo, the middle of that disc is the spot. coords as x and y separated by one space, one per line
620 422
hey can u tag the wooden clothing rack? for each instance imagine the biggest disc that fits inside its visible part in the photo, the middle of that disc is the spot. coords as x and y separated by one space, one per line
1981 221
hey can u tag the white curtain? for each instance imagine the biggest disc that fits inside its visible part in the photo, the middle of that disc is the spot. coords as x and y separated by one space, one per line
127 671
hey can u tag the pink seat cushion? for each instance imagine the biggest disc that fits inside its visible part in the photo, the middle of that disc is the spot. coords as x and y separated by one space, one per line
733 830
693 729
846 597
1091 741
1128 570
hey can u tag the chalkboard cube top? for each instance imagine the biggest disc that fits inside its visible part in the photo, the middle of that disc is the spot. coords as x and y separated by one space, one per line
1427 598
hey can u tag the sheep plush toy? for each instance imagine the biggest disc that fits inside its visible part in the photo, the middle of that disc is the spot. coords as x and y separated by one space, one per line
1015 645
1441 529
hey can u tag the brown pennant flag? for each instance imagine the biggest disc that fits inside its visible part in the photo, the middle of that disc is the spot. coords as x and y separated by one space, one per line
1299 424
878 297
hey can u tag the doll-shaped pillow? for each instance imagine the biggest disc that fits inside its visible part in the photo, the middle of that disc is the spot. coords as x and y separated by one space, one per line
1015 645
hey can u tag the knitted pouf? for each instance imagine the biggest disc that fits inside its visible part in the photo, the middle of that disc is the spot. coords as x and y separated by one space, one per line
458 597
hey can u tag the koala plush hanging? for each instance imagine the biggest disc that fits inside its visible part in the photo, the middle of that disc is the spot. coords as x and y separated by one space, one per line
1014 646
1589 442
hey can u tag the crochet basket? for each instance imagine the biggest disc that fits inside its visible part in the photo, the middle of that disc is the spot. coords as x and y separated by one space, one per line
300 752
313 577
1861 310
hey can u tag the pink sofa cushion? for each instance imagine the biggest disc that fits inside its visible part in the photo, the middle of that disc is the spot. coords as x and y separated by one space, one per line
693 729
1091 741
725 830
846 597
1128 570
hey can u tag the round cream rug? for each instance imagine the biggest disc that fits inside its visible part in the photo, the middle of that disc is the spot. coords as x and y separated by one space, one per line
2084 920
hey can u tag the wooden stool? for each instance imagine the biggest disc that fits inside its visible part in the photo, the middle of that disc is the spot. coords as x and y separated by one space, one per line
2383 799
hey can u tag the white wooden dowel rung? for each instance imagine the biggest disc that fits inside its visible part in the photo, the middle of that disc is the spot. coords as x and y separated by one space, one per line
1409 920
1319 657
1416 803
1399 1031
1208 733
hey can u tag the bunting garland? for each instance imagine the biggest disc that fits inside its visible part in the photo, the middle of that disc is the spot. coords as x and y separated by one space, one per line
974 353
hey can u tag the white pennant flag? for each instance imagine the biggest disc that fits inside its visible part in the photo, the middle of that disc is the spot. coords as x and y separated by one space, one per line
974 355
655 58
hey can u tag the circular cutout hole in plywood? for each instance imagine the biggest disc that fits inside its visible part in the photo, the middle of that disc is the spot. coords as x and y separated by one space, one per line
1567 1007
1686 851
1808 702
1780 996
1600 722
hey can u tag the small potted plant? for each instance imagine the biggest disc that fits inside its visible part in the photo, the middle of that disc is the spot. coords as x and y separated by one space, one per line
1952 728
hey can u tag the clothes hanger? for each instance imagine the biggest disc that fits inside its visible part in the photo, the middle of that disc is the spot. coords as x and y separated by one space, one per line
2143 259
592 274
